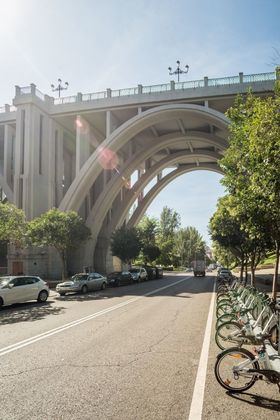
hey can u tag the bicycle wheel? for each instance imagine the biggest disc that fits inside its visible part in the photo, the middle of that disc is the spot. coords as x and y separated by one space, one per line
225 318
225 308
229 334
232 369
274 339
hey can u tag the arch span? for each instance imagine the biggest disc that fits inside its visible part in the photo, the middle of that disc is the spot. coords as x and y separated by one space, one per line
156 189
91 169
120 216
106 198
102 251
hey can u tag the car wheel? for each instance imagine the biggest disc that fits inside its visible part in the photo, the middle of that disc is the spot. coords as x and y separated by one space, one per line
84 289
103 286
1 303
117 283
43 296
62 294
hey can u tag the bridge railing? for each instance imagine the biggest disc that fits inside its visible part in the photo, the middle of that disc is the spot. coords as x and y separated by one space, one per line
145 90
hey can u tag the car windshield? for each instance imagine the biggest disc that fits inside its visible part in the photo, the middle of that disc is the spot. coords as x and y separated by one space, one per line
79 277
4 281
134 270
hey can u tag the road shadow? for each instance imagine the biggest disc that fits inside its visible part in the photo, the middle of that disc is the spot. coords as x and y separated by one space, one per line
26 312
256 400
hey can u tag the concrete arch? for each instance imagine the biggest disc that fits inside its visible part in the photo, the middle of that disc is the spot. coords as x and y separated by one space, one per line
102 252
151 195
91 169
150 174
106 198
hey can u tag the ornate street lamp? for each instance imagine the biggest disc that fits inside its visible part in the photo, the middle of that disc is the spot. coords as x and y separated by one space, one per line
59 87
178 71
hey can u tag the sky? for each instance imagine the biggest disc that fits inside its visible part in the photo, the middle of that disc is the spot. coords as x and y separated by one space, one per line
115 44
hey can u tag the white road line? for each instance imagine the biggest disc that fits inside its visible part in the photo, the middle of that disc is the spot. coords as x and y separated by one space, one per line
42 336
198 393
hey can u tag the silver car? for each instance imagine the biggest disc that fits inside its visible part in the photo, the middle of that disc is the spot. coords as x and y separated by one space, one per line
83 282
18 289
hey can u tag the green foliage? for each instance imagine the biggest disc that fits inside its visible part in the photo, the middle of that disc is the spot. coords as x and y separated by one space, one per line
12 224
252 176
188 245
126 243
169 222
150 253
62 230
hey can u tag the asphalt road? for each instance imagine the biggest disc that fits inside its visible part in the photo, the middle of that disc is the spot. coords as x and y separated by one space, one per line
126 353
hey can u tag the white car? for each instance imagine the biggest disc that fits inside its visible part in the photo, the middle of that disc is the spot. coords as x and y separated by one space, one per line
138 274
82 282
18 289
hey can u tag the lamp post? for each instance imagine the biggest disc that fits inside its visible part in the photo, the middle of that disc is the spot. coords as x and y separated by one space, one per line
178 71
59 87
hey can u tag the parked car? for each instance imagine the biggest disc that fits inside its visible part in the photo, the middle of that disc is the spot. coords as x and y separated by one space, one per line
82 282
225 274
151 272
159 272
117 278
18 289
138 274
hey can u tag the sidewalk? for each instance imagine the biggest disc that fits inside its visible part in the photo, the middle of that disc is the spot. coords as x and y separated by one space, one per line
264 278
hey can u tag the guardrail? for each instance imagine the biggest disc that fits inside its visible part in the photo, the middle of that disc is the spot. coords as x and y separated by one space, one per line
146 90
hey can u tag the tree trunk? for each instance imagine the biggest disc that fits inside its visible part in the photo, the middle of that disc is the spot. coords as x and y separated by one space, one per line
253 257
63 257
246 272
241 269
275 277
253 277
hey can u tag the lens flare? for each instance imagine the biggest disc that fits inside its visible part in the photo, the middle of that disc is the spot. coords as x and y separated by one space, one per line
107 158
79 123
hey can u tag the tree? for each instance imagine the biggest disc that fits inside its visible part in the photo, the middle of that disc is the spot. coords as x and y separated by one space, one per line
150 253
188 244
251 166
12 224
169 222
148 229
231 228
126 243
62 230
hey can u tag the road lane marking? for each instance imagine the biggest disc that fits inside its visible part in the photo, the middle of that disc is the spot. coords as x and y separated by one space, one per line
42 336
199 387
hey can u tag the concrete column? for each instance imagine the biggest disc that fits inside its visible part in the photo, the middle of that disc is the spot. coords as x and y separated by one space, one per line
52 165
9 144
59 164
172 85
140 89
147 164
82 142
205 81
241 77
141 195
111 123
